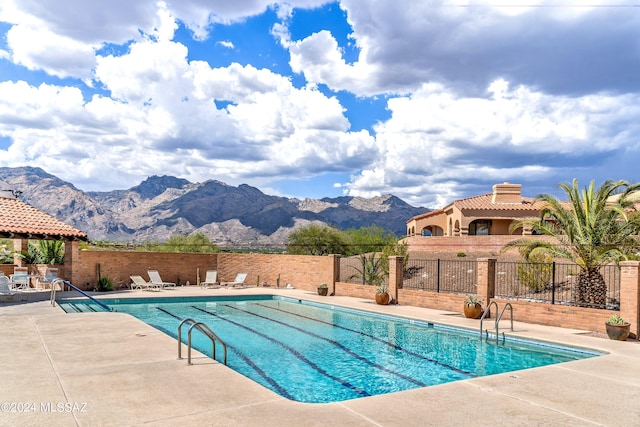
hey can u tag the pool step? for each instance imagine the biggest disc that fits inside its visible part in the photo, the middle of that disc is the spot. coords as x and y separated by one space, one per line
81 307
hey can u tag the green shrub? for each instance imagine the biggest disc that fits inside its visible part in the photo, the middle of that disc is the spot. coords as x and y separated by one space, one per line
382 288
616 320
472 300
461 254
535 273
105 284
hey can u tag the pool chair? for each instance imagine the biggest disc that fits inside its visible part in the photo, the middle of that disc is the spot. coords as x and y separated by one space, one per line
238 282
20 278
6 291
210 280
137 282
47 279
157 280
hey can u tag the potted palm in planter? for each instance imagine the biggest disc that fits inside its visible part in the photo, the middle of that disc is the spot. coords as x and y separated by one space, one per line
617 328
323 289
382 294
472 307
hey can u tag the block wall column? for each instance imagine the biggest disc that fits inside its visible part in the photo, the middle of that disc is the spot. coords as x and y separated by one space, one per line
486 280
72 263
336 273
396 275
630 295
19 245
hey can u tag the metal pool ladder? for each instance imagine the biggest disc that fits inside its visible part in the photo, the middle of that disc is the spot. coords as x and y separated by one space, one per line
498 318
207 332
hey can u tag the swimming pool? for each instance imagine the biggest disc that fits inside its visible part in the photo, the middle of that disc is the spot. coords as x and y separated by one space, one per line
316 353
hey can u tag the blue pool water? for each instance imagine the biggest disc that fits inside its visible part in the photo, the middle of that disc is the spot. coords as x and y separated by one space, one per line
312 352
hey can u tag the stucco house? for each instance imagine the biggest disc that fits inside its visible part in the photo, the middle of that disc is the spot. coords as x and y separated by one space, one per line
483 215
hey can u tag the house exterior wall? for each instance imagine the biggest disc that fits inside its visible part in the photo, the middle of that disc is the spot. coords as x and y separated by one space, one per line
415 226
504 206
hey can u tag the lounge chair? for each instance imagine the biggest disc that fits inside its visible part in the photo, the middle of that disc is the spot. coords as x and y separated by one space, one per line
157 280
238 282
137 282
20 278
6 291
210 280
47 280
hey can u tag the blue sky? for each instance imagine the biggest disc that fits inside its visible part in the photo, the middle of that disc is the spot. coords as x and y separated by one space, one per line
428 100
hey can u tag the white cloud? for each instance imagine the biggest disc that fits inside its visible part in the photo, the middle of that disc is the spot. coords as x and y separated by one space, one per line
39 49
226 43
435 136
162 116
319 58
477 95
88 22
404 44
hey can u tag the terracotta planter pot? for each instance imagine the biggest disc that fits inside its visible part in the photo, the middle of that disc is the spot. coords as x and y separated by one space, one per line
618 332
382 299
472 311
323 291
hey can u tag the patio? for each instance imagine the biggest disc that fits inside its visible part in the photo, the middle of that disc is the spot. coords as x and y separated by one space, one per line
111 369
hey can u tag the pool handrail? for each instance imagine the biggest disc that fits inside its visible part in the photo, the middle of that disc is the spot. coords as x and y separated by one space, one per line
202 327
487 311
498 317
62 283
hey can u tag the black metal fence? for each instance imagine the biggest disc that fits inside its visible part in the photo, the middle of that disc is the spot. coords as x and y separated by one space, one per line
441 275
351 269
550 283
555 283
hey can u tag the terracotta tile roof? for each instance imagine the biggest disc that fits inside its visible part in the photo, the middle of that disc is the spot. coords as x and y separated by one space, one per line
483 202
20 220
425 215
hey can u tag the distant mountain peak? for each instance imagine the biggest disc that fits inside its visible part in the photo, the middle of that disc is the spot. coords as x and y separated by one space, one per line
162 206
156 185
316 206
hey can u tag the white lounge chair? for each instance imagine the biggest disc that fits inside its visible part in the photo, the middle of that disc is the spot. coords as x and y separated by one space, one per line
157 280
238 282
137 282
47 280
6 291
210 280
20 278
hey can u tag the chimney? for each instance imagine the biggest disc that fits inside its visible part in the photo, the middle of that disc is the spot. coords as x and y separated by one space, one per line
507 193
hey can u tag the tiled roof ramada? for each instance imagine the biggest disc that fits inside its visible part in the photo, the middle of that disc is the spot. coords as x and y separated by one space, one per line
21 219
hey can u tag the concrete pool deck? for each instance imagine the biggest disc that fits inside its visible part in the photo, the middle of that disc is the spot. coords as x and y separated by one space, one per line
90 369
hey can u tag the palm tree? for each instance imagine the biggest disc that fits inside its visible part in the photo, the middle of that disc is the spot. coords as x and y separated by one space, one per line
371 270
44 252
591 229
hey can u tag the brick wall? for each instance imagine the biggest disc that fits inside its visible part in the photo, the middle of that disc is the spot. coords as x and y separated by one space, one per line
301 271
356 290
304 272
118 266
468 244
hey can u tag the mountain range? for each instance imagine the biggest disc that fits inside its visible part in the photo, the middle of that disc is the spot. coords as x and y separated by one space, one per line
162 206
